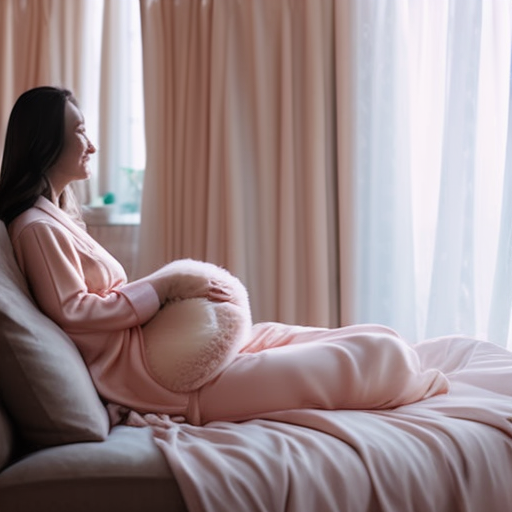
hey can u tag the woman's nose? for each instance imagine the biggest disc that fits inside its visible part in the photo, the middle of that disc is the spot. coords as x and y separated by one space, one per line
91 148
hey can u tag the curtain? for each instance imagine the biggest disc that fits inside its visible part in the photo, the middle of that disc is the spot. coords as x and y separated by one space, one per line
383 260
118 98
432 99
347 159
41 43
350 160
243 128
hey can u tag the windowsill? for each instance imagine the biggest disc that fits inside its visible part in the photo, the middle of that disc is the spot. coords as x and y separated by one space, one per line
105 216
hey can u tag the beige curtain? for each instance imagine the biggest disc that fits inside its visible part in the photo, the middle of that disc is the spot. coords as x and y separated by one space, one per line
41 43
248 148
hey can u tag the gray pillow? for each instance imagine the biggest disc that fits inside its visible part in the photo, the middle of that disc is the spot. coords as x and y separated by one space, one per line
44 383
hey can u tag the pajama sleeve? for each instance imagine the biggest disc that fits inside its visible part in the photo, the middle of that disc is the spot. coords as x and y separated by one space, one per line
78 289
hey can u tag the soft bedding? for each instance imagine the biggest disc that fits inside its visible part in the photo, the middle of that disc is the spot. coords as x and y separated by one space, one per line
447 453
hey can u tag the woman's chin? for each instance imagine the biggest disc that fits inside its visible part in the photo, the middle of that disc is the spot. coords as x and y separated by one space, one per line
86 174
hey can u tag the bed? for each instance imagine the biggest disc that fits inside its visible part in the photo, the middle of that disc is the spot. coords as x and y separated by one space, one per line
61 445
446 453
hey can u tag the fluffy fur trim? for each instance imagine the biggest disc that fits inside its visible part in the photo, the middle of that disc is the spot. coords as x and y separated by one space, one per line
191 340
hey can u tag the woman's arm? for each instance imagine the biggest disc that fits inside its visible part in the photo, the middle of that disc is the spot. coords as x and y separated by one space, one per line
58 278
186 279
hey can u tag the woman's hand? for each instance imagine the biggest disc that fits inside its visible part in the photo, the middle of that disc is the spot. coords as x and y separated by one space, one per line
176 281
219 291
191 286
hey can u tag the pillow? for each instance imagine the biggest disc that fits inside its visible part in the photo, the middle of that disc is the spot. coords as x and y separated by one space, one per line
44 383
191 340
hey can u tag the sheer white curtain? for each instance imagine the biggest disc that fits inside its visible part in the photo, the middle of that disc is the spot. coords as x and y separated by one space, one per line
122 156
432 82
112 100
384 265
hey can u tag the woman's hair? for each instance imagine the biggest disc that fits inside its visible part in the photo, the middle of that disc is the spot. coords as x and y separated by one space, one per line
33 143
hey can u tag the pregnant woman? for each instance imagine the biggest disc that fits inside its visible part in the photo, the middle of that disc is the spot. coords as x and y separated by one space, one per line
222 367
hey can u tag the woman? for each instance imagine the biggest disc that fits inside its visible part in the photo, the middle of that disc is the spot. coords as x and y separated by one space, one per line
85 291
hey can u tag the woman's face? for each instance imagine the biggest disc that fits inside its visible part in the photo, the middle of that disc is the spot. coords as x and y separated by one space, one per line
73 162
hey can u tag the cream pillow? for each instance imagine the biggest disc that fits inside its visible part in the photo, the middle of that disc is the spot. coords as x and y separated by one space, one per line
44 383
190 341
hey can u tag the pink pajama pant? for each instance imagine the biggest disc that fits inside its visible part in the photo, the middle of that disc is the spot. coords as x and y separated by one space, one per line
287 367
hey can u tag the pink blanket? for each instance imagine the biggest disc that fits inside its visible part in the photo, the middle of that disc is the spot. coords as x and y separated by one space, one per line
446 453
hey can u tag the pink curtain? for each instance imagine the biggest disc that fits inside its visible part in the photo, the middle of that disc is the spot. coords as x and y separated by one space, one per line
248 148
41 43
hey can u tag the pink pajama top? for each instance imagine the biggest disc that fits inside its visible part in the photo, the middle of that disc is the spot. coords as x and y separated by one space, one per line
84 290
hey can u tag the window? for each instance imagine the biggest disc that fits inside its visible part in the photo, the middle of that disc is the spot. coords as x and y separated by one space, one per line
112 102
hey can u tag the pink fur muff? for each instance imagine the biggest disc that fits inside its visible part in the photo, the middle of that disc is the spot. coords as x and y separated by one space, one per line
191 340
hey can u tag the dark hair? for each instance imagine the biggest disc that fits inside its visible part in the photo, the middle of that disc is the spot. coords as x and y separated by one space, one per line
33 142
